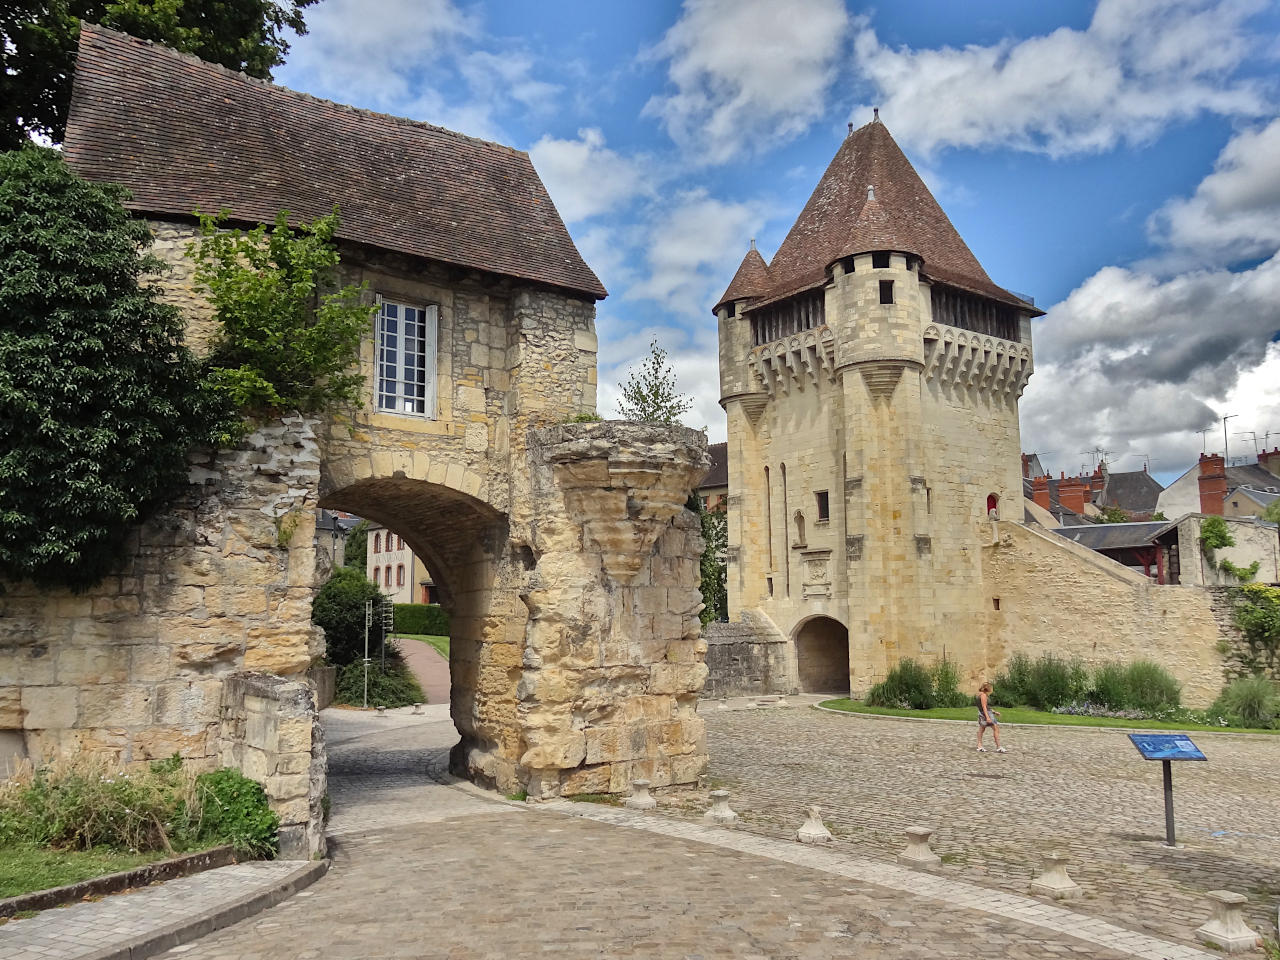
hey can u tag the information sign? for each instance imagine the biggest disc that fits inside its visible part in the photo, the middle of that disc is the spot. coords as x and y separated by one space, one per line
1166 746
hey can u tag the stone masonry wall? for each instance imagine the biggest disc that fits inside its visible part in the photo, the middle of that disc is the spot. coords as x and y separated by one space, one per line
746 658
219 581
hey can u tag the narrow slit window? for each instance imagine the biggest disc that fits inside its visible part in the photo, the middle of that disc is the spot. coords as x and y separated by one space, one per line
406 361
886 291
824 505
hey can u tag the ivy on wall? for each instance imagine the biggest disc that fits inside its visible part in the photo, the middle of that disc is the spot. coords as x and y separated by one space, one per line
1257 614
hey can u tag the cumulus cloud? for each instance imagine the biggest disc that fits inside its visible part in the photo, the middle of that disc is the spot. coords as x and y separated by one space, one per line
745 74
585 178
1139 66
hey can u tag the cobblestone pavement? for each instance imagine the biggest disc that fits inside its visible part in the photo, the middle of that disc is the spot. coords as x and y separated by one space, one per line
1084 792
433 871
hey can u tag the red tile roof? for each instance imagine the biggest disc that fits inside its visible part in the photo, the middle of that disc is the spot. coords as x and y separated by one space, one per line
871 198
751 280
183 135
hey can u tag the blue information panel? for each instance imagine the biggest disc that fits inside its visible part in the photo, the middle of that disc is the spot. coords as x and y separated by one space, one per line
1166 746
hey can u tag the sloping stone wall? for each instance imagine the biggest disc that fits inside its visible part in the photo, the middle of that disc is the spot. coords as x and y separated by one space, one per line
746 658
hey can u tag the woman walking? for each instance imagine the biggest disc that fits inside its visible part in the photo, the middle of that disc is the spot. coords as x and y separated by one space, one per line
987 718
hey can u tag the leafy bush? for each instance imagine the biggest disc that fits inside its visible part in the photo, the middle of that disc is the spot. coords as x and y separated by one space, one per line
946 685
1049 683
1011 683
1257 614
422 618
1110 687
1250 702
1151 687
339 607
392 685
908 686
86 802
99 398
355 552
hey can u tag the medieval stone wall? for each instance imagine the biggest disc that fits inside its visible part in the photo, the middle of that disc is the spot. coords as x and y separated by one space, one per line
1256 541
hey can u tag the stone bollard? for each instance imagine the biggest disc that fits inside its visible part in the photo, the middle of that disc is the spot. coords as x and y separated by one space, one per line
1227 928
813 830
382 711
1054 882
417 708
640 799
917 853
723 704
720 812
782 702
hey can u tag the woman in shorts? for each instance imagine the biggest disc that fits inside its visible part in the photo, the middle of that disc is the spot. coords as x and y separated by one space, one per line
987 718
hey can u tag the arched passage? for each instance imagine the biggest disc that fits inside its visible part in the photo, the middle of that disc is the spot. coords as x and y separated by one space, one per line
464 543
822 656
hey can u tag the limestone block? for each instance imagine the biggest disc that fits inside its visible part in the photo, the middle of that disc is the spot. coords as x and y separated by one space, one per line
85 665
590 779
156 743
673 678
149 663
235 601
115 705
49 708
293 810
222 653
277 651
11 708
556 750
287 786
611 744
294 736
188 702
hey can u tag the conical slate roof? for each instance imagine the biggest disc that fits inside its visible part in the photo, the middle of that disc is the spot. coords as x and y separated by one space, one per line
751 280
871 198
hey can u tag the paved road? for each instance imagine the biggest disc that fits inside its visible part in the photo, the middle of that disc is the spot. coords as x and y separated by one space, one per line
424 869
431 669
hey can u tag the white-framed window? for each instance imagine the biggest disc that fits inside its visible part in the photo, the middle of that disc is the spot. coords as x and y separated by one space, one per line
405 362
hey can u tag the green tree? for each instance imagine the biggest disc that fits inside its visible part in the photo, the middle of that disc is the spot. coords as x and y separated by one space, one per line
99 397
650 393
38 47
339 607
283 342
1272 513
355 552
1113 515
715 536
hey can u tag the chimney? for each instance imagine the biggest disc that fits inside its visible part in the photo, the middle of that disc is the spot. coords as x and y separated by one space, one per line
1026 467
1213 483
1072 493
1040 492
1270 461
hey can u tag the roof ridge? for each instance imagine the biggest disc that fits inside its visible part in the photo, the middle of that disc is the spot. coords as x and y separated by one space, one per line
301 94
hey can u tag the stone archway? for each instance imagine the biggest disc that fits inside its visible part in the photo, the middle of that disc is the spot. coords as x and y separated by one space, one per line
822 656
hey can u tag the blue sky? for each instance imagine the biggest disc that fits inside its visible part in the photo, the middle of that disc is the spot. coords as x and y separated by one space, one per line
1119 161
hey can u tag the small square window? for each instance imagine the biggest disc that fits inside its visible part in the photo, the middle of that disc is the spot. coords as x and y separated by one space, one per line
886 291
880 261
824 505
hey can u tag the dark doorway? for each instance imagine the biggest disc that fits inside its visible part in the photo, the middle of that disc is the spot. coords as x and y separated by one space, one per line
822 656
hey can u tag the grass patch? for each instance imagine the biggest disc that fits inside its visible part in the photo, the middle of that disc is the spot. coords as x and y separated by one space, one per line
26 867
1026 715
441 644
608 799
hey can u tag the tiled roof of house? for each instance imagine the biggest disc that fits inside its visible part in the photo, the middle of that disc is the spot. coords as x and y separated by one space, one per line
751 281
1114 536
184 135
1252 475
718 475
871 198
1135 491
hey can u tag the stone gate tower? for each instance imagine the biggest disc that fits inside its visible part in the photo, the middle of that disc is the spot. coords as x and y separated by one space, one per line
871 375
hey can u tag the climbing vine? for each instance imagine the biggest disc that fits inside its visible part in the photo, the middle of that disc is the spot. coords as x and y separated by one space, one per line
1257 615
1214 535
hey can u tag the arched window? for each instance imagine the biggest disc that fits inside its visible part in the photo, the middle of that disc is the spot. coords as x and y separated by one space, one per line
377 543
386 575
377 576
400 575
993 505
399 542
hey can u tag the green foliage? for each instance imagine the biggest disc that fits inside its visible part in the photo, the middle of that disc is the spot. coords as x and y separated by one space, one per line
585 418
908 685
1112 515
1012 682
1151 687
282 343
392 685
1252 701
1110 688
85 804
38 46
339 608
1257 614
355 552
1242 574
422 618
1049 684
1214 535
713 574
1272 513
99 398
1159 515
27 867
946 685
650 394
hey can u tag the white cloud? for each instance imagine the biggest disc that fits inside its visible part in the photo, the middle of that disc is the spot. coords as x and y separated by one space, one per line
1139 66
585 178
747 73
1234 213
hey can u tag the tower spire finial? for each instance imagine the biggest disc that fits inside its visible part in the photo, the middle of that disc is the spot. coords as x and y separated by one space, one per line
875 114
753 243
850 126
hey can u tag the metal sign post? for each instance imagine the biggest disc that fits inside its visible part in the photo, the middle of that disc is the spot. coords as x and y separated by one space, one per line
368 622
1166 748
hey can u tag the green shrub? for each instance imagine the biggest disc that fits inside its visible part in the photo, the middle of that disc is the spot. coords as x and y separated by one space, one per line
1110 687
422 618
1257 614
391 686
946 685
908 686
1011 683
1249 702
1049 683
1151 687
339 607
234 810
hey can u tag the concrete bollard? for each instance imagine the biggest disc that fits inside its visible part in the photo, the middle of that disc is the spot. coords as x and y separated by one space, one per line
382 711
813 830
1227 928
417 708
723 704
720 813
640 799
1054 882
917 852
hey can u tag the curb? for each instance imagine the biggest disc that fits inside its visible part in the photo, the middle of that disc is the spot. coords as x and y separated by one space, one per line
145 875
1052 726
200 925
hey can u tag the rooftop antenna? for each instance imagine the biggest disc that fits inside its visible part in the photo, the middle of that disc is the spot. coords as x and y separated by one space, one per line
1250 433
1204 439
1226 454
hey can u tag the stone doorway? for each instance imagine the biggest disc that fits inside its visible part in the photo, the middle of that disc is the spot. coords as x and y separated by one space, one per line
822 656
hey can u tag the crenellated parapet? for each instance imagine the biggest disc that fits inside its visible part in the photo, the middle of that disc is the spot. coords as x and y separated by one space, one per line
964 360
